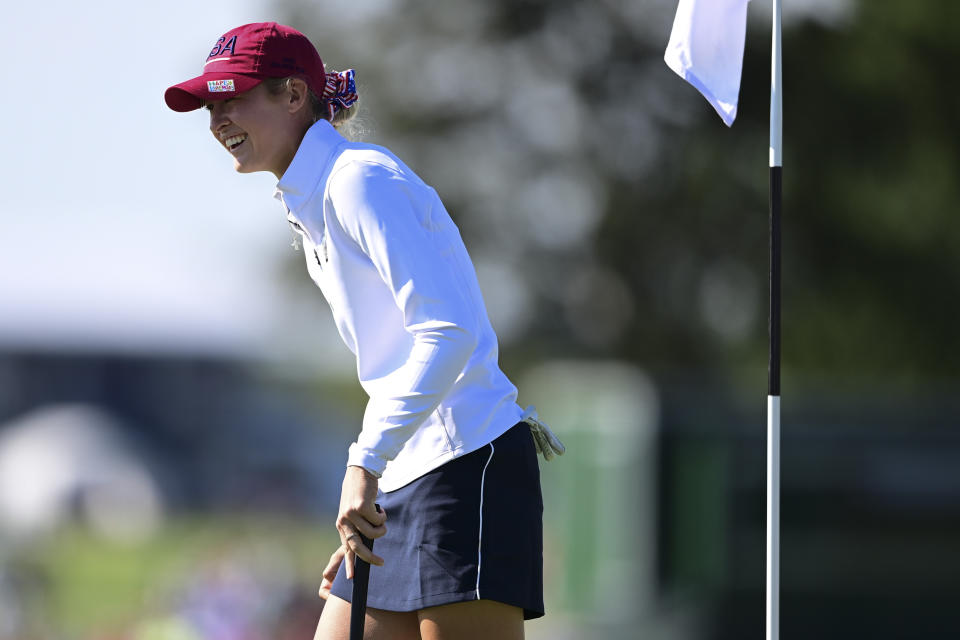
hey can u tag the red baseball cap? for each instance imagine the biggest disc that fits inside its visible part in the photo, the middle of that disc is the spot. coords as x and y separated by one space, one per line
242 57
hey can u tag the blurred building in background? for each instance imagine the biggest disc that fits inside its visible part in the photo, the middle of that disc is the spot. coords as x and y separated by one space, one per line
198 433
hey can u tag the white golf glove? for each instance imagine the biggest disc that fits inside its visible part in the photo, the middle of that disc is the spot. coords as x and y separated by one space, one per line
548 445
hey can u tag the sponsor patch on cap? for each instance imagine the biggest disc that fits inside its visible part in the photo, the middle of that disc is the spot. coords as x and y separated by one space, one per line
219 86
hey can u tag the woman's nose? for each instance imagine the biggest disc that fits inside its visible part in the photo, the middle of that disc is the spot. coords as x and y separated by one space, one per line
218 118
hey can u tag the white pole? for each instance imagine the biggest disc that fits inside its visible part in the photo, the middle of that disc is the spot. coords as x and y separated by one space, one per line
776 93
773 517
773 397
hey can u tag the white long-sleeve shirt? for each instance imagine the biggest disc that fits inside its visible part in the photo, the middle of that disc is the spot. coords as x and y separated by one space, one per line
405 298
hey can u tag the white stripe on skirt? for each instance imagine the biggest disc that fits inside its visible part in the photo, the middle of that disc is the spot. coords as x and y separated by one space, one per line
483 479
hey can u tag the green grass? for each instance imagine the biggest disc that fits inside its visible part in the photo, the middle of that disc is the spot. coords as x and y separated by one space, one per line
92 584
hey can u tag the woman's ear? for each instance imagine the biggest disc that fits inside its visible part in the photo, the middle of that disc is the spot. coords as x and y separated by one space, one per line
298 95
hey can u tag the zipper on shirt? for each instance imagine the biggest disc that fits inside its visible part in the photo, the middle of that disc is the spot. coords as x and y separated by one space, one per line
321 249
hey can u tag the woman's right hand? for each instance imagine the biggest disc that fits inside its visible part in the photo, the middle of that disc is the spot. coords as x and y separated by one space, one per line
359 515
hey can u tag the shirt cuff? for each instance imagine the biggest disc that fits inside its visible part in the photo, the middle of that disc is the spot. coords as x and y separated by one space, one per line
359 457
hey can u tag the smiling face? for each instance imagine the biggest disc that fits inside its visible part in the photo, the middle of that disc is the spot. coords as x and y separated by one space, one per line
261 131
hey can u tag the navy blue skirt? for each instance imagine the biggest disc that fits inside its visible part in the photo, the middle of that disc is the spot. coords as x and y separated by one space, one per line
471 529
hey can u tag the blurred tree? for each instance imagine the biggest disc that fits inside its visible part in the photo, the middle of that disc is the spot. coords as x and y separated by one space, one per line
611 214
873 263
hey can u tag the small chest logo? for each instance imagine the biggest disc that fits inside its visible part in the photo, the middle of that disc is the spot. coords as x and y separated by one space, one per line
219 86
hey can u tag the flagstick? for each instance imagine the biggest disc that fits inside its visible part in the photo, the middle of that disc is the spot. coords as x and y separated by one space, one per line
773 392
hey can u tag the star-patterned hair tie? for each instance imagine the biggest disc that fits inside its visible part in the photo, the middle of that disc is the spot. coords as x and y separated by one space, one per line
340 91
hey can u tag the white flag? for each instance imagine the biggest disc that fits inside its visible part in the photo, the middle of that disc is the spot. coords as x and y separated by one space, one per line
706 50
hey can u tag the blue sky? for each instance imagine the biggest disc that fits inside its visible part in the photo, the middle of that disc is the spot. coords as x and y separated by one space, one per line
122 223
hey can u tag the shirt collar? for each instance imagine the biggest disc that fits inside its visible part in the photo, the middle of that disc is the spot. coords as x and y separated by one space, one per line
311 163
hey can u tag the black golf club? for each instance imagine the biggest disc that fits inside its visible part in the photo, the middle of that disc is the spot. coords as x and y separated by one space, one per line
361 581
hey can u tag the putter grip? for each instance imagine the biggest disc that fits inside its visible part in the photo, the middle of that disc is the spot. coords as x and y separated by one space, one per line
361 580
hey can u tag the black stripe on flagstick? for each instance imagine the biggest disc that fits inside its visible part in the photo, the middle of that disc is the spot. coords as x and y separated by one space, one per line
776 196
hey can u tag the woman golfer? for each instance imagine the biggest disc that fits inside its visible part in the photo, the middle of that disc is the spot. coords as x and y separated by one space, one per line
444 447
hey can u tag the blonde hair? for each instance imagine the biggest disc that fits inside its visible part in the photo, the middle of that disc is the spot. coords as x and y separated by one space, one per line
343 119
